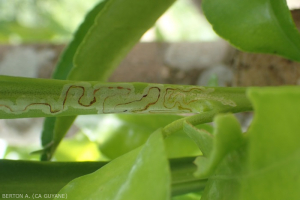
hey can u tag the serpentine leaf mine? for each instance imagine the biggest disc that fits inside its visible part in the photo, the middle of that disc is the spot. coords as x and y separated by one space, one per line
119 98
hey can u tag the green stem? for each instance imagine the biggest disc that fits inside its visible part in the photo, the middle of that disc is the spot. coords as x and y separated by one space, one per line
25 97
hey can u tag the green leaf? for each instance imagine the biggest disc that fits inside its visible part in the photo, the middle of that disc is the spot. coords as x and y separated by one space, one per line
227 137
260 26
127 132
65 63
201 137
266 164
47 133
225 182
116 30
225 162
274 159
140 174
180 145
53 132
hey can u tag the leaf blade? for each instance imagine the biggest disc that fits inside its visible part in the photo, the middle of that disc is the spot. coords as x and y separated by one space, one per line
65 64
116 30
227 138
148 162
269 157
201 137
224 166
259 26
273 147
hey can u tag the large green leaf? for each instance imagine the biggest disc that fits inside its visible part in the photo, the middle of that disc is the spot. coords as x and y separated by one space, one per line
262 26
266 164
140 174
274 159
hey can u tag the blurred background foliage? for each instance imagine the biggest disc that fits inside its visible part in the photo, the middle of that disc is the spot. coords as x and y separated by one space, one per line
56 20
100 137
41 20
